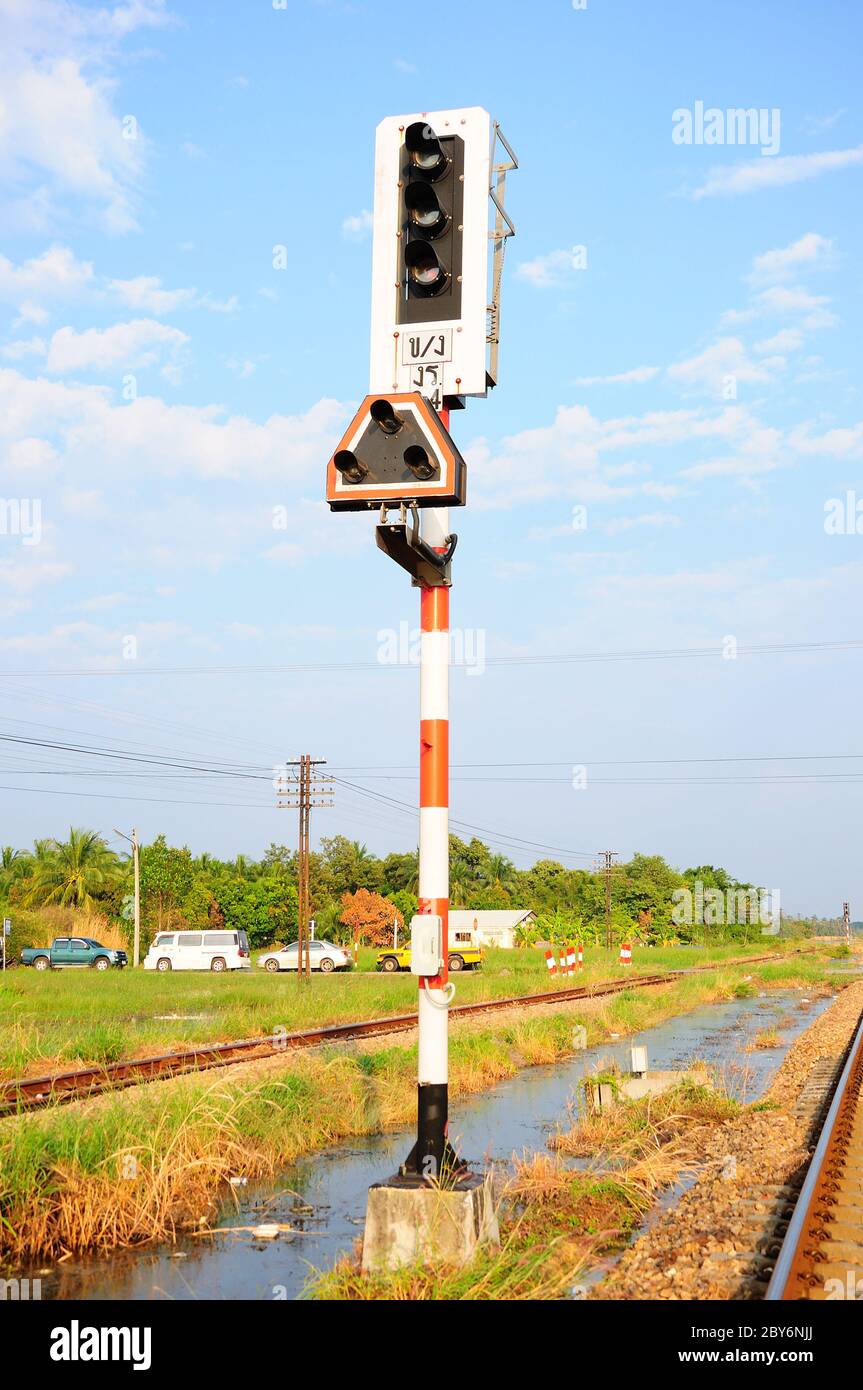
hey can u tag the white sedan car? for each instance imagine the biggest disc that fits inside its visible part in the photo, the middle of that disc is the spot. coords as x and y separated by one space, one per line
322 955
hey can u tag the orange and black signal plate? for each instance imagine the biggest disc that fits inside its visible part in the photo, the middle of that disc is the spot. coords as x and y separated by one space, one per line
396 450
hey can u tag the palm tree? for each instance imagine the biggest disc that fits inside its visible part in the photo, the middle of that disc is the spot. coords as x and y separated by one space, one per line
499 872
461 881
72 874
14 864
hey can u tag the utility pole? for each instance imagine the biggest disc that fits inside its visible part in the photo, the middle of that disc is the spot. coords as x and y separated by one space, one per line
607 857
846 914
303 790
136 864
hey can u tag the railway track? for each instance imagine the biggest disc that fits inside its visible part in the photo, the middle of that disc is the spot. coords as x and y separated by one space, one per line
33 1093
821 1256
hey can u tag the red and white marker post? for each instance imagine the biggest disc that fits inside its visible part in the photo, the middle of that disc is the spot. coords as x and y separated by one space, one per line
433 1060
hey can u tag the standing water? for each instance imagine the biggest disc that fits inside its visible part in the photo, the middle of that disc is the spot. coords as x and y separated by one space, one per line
323 1196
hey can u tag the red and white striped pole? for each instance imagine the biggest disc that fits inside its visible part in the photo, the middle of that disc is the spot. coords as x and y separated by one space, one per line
432 1068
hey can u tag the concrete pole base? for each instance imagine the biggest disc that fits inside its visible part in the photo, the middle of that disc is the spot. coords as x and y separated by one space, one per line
413 1223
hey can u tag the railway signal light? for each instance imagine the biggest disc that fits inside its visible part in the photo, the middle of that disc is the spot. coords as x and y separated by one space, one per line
395 451
434 318
431 225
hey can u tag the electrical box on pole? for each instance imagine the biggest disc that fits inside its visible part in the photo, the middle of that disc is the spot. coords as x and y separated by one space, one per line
426 944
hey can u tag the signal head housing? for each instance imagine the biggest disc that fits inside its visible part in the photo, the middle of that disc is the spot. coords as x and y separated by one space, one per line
396 450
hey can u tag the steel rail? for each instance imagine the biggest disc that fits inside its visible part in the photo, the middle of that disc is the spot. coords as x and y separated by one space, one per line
796 1273
32 1093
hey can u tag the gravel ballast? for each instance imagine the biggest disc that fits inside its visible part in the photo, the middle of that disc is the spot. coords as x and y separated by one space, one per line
716 1242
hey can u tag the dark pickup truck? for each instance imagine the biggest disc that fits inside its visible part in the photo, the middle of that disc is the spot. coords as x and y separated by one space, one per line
74 952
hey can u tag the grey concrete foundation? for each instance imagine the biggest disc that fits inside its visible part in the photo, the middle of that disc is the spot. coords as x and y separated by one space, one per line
604 1095
416 1224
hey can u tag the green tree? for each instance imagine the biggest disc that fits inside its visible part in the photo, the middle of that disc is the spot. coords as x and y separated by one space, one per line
166 877
265 908
73 873
499 872
348 866
401 871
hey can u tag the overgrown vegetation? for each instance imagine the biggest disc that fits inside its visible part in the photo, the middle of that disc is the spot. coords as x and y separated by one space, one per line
47 1020
556 1220
353 889
149 1163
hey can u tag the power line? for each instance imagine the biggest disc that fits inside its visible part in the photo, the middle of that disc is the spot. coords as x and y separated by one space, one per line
483 830
540 659
645 762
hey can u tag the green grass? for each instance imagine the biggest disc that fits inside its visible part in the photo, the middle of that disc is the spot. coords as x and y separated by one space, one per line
62 1017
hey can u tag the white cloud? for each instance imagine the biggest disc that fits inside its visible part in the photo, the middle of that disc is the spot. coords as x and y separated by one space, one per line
24 347
759 451
845 442
725 358
785 300
786 340
816 125
734 179
285 553
27 571
567 459
808 250
55 274
635 375
30 455
100 602
359 225
627 523
59 133
172 440
62 125
551 270
243 366
138 343
148 293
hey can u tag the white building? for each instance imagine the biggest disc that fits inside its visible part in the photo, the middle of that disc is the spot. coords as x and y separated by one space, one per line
488 928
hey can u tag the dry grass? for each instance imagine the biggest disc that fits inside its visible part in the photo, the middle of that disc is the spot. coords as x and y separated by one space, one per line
766 1039
555 1220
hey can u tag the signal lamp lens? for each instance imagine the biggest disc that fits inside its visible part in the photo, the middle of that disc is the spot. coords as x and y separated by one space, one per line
426 213
383 414
427 275
419 463
425 150
350 467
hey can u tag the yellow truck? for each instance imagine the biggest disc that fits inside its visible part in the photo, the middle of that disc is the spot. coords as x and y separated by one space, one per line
463 955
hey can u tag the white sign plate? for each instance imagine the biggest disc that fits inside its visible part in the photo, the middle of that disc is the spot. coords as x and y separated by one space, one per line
420 345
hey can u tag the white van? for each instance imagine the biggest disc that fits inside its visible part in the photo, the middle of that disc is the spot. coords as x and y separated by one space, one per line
199 950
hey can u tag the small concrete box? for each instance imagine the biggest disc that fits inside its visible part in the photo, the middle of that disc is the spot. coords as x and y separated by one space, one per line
408 1224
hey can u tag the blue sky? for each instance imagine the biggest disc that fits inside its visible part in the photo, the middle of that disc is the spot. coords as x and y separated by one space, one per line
695 388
